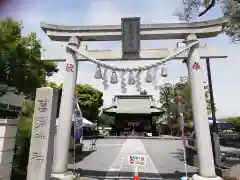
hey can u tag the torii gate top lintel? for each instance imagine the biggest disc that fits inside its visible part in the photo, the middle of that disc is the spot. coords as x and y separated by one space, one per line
203 29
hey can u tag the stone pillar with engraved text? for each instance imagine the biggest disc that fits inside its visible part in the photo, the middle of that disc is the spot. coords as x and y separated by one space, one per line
43 129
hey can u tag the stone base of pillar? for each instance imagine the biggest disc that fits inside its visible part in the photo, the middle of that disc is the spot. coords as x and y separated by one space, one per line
198 177
65 176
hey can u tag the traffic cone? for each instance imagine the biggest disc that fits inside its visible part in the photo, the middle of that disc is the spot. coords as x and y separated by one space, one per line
135 178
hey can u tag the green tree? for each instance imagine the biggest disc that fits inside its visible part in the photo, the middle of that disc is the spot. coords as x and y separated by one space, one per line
106 120
234 120
54 85
183 97
89 99
231 9
21 66
28 108
167 95
177 97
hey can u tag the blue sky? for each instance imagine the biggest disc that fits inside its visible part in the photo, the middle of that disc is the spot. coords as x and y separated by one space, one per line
225 72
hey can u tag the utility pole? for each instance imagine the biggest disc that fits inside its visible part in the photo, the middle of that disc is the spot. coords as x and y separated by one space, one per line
166 91
214 129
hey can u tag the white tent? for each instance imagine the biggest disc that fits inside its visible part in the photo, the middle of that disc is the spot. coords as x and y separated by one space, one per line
210 120
87 123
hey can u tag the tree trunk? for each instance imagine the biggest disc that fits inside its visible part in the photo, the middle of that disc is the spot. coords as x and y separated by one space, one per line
169 123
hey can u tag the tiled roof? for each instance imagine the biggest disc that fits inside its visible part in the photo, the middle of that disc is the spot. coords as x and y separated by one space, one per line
132 104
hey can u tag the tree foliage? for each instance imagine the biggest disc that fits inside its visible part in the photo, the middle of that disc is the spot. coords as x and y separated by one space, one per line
189 10
28 108
167 95
233 120
89 99
176 98
106 120
54 85
21 66
232 10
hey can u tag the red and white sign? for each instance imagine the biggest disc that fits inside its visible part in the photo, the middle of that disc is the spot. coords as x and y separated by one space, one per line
131 161
137 160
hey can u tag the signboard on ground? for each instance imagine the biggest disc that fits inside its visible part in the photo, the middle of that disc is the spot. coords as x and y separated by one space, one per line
137 160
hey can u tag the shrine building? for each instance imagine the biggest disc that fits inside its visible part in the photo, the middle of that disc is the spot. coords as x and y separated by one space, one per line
133 113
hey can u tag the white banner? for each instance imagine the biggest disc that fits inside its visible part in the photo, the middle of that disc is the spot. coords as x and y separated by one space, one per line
181 118
78 121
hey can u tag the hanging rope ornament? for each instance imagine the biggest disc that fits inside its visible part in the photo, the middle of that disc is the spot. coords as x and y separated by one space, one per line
131 79
98 73
114 78
164 72
138 82
156 78
123 82
105 79
150 76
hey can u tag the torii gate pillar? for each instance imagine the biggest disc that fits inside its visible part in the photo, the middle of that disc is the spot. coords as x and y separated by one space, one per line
201 124
63 134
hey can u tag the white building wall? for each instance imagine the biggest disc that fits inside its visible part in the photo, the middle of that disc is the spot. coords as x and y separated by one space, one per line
8 131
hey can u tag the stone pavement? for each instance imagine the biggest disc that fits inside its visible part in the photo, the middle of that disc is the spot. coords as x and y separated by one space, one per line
110 161
121 165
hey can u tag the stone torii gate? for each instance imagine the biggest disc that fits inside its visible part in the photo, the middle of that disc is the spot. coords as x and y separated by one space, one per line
189 32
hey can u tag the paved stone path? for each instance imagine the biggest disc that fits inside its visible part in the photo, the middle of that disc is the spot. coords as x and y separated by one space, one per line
110 161
121 164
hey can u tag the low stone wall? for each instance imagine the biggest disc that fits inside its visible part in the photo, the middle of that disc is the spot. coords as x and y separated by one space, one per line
8 131
143 137
232 173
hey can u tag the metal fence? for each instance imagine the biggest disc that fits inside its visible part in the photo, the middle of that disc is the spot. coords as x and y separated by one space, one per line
229 134
229 147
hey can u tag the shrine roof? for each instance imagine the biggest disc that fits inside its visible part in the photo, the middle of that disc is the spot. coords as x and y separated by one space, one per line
133 104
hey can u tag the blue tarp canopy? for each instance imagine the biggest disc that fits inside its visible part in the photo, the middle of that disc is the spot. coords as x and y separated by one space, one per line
225 125
221 125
